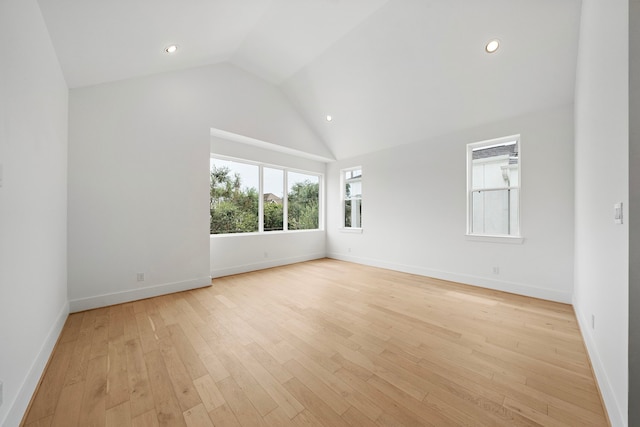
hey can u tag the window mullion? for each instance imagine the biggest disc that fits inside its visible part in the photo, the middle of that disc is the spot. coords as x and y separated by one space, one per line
285 202
260 199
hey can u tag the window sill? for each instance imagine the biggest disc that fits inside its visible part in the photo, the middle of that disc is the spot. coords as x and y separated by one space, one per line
351 230
514 240
264 233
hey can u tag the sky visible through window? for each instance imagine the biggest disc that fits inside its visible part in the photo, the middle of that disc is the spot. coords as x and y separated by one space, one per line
249 176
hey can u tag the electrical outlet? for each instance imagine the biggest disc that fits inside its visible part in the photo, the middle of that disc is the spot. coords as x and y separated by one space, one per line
266 254
496 270
140 277
349 250
593 321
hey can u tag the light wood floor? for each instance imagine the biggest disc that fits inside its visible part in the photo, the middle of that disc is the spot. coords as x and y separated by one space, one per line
321 343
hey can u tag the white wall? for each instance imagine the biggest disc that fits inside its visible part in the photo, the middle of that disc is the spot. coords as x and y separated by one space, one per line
232 254
414 210
139 180
602 179
33 203
634 211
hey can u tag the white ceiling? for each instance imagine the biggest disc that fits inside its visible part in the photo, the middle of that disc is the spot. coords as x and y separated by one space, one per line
388 71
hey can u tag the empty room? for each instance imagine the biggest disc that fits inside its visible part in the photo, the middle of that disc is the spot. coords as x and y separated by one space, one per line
319 212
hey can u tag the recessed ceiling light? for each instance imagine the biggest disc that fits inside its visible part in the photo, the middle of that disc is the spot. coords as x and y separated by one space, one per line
171 48
492 46
329 118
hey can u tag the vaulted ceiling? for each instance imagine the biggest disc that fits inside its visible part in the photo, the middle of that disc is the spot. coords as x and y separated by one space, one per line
389 72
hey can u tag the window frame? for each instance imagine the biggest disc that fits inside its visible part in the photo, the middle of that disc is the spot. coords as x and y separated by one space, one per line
343 199
285 200
494 238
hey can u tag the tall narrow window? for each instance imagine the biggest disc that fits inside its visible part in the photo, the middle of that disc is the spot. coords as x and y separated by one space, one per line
303 201
494 187
273 198
234 203
352 197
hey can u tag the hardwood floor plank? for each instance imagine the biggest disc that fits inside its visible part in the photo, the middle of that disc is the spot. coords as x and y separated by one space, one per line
140 394
67 411
313 403
223 416
209 393
120 415
256 394
239 403
117 378
147 419
183 387
93 406
197 417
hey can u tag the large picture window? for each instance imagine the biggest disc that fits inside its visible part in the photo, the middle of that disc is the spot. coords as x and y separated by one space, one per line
250 197
494 187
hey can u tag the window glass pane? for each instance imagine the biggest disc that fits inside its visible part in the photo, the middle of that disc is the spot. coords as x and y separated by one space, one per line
233 197
495 180
352 181
303 201
495 166
273 191
353 213
495 212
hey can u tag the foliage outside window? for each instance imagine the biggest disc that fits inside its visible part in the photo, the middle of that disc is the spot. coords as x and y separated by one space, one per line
494 187
303 201
249 198
352 197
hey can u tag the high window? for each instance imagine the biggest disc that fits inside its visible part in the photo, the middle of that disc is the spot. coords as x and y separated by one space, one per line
493 187
248 197
351 182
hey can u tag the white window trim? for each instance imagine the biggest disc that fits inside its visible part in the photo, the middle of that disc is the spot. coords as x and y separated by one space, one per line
342 228
285 200
512 239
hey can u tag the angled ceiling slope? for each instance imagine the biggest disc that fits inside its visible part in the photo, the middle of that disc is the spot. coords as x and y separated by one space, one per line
390 72
97 42
415 70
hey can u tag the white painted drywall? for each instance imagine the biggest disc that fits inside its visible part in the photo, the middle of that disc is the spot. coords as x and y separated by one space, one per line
33 203
602 179
139 175
634 211
414 210
239 253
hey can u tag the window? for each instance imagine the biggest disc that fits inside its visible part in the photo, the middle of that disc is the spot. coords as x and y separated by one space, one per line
494 187
352 197
273 199
234 195
303 201
250 197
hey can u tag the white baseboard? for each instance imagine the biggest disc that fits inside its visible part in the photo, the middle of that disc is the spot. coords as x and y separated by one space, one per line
498 285
88 303
245 268
616 414
19 405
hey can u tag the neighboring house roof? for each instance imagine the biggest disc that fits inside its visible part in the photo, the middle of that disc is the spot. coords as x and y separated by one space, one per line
502 150
272 198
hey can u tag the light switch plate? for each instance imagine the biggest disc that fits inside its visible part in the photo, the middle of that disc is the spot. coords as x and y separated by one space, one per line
617 213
